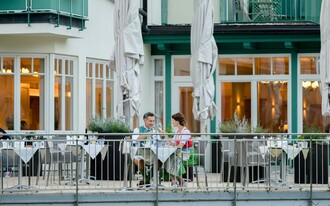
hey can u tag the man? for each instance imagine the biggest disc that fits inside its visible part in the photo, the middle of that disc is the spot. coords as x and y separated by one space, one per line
149 136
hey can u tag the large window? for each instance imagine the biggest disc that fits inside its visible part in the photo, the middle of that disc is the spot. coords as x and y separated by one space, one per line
22 80
63 90
99 89
255 87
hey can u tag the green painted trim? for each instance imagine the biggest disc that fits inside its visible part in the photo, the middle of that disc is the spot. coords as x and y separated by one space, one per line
294 92
173 39
168 86
164 14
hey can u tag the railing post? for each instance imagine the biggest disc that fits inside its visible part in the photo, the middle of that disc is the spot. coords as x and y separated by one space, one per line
235 170
77 159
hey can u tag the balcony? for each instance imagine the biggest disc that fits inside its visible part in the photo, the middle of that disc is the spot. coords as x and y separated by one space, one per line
71 13
241 11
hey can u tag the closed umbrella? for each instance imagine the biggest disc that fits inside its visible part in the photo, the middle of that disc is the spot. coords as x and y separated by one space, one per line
203 60
325 56
128 56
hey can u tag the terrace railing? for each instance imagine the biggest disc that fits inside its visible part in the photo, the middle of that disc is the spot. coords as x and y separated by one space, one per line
269 10
218 162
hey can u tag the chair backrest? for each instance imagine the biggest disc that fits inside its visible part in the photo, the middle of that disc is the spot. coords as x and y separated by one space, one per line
9 157
45 155
200 146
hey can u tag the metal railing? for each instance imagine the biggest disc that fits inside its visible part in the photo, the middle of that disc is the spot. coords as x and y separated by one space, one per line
216 162
60 10
269 10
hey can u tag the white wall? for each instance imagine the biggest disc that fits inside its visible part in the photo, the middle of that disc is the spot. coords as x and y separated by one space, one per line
146 74
154 12
180 11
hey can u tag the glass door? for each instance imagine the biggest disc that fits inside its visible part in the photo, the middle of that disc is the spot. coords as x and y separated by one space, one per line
182 101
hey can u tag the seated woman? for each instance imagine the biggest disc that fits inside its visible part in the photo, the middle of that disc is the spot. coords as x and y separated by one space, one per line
182 139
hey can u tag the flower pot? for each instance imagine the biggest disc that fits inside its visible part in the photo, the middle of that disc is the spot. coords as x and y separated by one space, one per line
314 168
112 166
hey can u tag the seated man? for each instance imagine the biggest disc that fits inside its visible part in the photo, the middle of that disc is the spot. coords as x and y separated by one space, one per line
142 158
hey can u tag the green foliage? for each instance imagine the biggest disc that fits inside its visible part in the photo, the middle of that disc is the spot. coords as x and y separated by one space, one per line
115 126
95 125
312 129
169 129
260 129
238 125
235 125
109 125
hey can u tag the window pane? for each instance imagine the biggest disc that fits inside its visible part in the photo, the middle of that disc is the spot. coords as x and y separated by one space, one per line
7 101
67 67
108 72
158 67
262 66
39 65
7 65
26 65
272 106
60 66
109 99
244 66
281 65
57 103
98 98
159 102
68 103
90 70
312 99
186 105
235 97
88 100
308 65
55 66
101 70
97 72
32 101
182 67
227 66
71 67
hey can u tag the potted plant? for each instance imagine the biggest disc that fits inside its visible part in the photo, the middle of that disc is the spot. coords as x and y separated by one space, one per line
313 167
112 166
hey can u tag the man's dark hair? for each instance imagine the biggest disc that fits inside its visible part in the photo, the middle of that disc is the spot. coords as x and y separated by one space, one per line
148 114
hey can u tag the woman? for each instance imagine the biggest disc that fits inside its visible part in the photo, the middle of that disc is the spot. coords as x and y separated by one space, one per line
183 140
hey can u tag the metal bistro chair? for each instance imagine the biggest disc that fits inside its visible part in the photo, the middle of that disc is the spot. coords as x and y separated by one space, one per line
200 146
53 155
255 158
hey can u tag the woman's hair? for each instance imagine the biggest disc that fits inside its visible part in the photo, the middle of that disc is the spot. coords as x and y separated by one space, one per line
180 118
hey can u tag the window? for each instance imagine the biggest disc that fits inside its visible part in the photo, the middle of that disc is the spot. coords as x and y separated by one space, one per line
7 100
255 85
63 93
159 90
182 90
181 68
311 98
28 73
32 93
99 89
